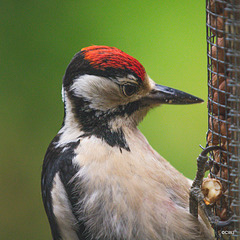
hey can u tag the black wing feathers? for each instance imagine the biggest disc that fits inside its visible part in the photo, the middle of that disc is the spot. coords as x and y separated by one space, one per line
56 160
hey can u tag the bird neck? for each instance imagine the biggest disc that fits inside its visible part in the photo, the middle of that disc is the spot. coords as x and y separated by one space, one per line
110 126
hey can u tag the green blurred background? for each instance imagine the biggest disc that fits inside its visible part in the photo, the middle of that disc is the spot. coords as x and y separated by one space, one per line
39 38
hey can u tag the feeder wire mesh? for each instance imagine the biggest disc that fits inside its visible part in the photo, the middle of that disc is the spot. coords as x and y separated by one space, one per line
223 51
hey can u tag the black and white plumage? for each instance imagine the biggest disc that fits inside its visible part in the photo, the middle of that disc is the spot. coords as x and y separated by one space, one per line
101 180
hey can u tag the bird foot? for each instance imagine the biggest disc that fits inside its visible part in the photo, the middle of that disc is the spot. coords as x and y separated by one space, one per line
196 196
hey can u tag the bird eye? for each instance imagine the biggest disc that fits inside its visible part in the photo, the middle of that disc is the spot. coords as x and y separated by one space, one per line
129 89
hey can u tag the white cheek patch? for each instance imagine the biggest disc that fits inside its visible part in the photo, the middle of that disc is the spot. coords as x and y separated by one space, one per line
102 93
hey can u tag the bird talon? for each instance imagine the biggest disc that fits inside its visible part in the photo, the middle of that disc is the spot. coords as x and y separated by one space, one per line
209 149
217 223
196 196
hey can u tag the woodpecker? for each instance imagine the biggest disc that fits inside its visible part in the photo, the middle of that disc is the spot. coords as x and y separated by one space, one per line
101 180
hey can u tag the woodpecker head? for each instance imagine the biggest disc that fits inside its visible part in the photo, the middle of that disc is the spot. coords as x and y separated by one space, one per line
105 89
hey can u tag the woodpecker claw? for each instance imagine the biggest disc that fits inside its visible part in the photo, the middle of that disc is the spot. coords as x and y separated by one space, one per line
196 196
209 149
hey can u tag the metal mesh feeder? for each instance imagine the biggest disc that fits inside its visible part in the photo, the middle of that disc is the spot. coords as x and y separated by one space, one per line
223 51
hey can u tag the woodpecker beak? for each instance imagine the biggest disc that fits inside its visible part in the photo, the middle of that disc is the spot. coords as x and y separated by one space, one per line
166 95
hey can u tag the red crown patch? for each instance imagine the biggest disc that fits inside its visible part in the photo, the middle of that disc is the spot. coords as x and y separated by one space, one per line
102 57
